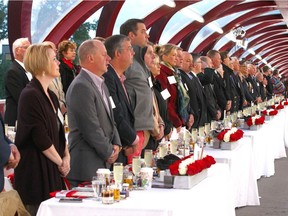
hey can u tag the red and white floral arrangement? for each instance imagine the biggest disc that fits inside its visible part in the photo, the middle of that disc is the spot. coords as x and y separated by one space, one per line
277 106
255 120
270 112
189 166
230 135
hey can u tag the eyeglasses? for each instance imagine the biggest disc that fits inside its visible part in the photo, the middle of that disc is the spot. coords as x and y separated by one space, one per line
130 48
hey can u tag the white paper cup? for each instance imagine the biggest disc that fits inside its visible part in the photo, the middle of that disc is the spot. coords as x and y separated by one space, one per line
146 175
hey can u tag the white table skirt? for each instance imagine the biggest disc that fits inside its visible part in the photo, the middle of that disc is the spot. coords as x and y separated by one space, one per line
268 144
212 196
242 170
286 125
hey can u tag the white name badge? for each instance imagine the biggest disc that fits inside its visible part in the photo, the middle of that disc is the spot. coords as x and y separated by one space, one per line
186 87
171 79
60 116
258 84
112 102
150 82
165 94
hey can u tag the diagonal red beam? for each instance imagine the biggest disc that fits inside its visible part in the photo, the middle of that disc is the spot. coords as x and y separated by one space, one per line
108 18
275 41
66 27
159 18
19 21
209 42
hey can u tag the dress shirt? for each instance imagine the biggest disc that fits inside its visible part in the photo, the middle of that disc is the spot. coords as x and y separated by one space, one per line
28 74
99 82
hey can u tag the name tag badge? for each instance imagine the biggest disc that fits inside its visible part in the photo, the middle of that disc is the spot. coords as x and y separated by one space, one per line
252 91
112 102
171 79
165 94
150 82
258 84
186 87
60 116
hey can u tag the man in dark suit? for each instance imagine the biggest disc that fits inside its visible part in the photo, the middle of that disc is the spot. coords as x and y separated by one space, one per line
94 141
190 68
218 82
121 52
16 79
253 84
269 87
206 78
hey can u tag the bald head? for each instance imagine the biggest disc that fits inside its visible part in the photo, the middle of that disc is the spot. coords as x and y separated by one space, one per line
93 56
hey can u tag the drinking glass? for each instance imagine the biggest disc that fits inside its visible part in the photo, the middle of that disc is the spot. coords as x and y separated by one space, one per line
118 172
194 135
201 131
213 125
136 165
173 146
162 150
97 185
207 128
148 157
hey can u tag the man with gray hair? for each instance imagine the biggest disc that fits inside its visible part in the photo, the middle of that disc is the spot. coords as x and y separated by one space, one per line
94 141
15 80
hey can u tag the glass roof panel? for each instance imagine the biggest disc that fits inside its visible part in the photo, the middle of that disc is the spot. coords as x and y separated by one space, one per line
185 16
46 14
135 9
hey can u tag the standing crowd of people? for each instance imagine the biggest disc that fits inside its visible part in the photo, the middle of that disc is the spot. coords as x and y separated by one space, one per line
126 95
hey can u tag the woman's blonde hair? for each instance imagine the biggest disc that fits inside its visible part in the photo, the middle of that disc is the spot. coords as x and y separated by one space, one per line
36 59
164 50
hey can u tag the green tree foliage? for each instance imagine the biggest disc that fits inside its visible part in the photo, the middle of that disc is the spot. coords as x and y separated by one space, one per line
3 21
4 66
82 33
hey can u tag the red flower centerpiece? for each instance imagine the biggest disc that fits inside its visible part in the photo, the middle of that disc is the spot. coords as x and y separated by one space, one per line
188 166
255 120
277 106
230 135
270 112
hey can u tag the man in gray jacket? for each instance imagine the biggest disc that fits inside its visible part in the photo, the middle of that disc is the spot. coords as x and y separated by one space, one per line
94 141
138 82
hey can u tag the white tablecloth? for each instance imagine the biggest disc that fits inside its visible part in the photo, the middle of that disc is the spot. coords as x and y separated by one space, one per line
212 196
268 144
242 170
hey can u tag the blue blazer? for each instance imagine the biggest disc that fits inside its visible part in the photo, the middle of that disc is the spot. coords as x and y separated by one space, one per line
5 152
123 113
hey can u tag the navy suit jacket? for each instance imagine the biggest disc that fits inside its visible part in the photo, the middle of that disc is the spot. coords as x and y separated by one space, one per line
197 99
5 152
15 81
123 114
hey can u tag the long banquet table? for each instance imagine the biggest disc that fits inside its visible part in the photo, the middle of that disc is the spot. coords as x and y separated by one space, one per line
242 170
212 196
269 143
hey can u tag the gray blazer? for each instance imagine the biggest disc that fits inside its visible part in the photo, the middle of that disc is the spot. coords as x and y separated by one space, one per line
92 128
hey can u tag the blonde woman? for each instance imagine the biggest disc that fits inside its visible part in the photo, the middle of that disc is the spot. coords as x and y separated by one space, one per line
40 136
168 57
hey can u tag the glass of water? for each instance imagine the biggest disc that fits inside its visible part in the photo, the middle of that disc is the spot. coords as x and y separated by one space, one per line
98 185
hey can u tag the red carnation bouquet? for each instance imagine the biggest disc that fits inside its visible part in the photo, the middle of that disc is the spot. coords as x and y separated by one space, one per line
270 112
230 135
188 166
255 120
278 107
